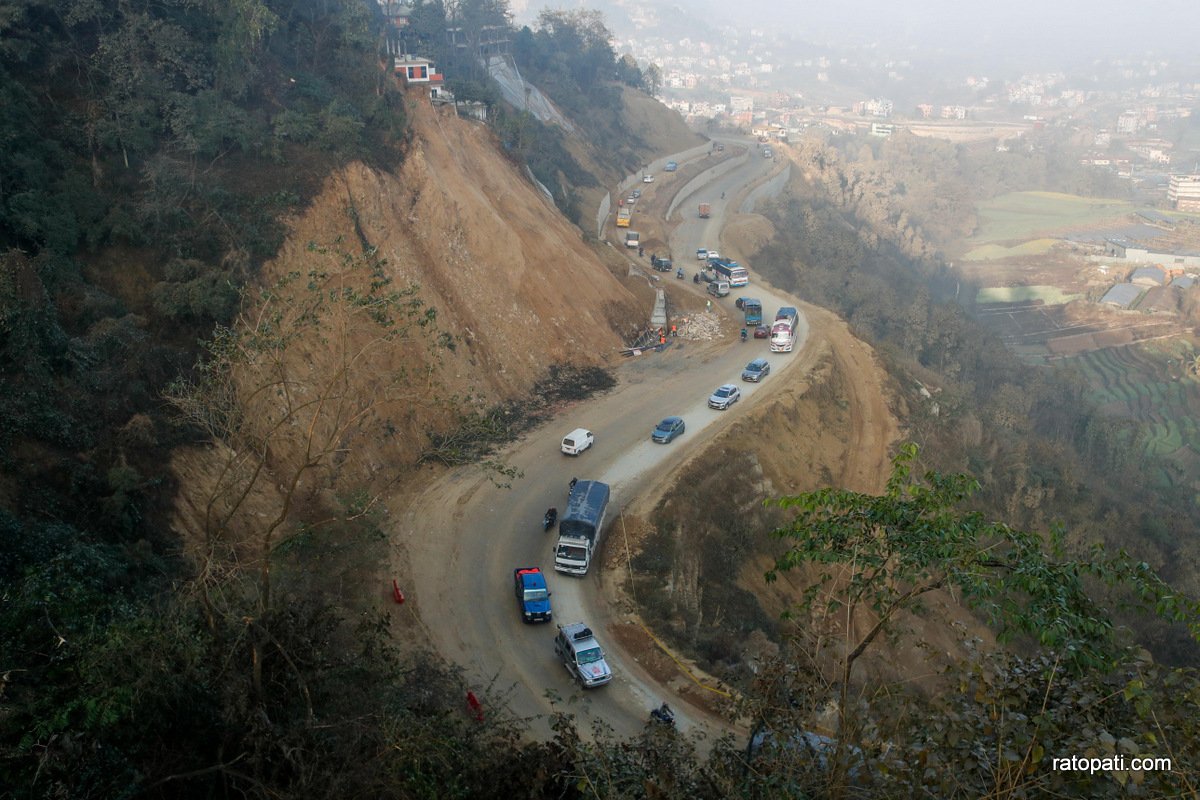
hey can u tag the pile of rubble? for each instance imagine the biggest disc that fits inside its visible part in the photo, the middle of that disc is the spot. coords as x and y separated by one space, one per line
701 327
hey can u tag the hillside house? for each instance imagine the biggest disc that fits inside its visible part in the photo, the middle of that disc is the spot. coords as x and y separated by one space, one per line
396 12
417 70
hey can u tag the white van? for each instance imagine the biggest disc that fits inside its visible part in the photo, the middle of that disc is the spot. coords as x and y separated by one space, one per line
577 441
718 288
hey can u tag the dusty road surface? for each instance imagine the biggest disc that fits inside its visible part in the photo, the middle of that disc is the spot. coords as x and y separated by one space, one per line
464 535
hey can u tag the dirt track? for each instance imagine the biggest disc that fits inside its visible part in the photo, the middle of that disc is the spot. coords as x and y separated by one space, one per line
463 535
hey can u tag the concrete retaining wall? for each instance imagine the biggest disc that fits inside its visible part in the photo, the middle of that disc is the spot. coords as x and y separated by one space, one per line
635 179
685 194
658 319
766 190
602 214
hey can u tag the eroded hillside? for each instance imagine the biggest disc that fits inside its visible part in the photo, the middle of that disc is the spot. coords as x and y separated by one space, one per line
511 281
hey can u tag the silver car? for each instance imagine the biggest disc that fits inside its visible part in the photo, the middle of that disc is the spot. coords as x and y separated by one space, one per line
756 370
725 396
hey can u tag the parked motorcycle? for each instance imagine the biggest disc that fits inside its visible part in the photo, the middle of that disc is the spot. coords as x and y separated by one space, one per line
663 714
550 518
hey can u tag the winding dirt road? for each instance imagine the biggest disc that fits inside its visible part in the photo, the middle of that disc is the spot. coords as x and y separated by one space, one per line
465 535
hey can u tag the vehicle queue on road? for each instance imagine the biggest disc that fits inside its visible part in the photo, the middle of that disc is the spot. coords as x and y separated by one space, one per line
575 644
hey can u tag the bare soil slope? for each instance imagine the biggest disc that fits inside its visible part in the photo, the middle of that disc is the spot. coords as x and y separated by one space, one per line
661 130
510 278
506 272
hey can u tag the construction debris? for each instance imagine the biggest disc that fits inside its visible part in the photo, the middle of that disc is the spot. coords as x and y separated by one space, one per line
700 327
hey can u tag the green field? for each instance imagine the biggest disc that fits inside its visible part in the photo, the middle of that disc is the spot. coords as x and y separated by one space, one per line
1022 215
1050 295
994 252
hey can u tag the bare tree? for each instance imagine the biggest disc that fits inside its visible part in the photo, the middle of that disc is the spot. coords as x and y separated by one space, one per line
285 391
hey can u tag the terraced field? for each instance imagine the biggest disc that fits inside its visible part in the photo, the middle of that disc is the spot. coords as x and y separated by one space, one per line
1149 385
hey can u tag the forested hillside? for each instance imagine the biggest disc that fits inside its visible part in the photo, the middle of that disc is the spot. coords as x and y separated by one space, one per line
155 158
150 150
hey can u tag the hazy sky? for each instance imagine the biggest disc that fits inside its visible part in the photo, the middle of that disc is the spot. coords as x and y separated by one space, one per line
1088 29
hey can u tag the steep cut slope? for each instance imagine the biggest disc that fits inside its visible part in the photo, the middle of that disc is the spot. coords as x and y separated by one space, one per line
503 268
510 278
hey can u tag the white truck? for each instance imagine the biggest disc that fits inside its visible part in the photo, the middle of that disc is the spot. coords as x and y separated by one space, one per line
632 238
580 528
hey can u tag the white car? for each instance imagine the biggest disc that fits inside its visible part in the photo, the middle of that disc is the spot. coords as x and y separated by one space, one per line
701 254
713 254
647 179
577 441
725 396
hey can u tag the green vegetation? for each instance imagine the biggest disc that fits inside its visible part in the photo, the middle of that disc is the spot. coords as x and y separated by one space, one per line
688 577
910 540
992 724
922 193
877 557
1021 215
150 149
